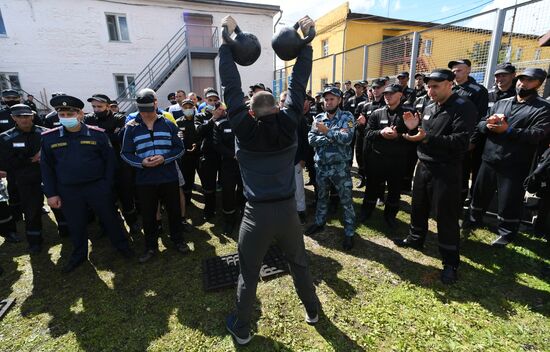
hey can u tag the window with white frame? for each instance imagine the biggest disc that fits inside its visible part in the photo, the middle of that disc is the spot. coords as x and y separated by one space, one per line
428 44
324 45
2 26
519 53
117 26
9 80
537 54
125 85
324 82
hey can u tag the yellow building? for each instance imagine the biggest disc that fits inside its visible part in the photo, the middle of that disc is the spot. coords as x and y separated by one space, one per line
339 47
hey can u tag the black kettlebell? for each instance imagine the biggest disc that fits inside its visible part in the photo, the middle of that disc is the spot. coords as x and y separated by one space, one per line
246 48
287 43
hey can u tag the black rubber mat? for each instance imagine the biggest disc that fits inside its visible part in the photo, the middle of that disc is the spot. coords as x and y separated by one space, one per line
223 272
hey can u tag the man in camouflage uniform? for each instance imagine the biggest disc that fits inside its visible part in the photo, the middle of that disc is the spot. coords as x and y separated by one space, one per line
331 135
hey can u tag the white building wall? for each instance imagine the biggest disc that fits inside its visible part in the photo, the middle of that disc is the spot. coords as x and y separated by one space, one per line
63 45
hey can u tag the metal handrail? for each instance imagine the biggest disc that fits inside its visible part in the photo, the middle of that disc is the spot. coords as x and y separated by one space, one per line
166 59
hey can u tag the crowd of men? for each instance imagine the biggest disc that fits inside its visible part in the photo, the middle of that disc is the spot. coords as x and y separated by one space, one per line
447 141
366 120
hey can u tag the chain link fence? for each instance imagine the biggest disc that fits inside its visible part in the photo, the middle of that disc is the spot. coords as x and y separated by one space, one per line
486 39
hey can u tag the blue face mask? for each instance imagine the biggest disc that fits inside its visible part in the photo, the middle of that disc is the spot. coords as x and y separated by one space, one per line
69 122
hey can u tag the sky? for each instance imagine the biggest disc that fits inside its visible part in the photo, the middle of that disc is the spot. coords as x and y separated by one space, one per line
441 11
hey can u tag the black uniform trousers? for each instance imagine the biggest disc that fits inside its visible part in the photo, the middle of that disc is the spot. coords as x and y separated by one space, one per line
542 224
410 165
208 170
387 171
262 224
32 200
507 180
15 201
125 189
232 186
189 163
470 166
149 197
437 186
358 140
7 223
75 202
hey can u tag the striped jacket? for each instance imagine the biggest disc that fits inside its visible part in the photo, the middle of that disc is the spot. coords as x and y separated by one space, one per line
138 143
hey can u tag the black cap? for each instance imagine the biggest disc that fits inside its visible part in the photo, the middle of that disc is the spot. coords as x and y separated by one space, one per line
335 83
99 97
332 90
187 101
212 93
505 67
348 82
365 83
358 83
258 85
403 74
458 62
56 94
393 88
145 100
378 82
318 94
536 73
21 110
113 102
8 93
66 102
440 75
419 75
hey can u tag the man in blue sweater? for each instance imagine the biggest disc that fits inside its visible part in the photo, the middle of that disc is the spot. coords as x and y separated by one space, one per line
151 145
265 149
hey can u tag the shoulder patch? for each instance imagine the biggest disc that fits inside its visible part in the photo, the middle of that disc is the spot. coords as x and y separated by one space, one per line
51 130
474 87
95 128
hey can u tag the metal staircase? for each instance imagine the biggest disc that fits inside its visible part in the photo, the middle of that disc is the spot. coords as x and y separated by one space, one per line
189 41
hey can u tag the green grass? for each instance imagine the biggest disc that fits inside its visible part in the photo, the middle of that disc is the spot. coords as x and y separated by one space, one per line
376 298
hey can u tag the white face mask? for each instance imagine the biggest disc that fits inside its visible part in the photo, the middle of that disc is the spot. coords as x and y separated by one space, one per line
188 112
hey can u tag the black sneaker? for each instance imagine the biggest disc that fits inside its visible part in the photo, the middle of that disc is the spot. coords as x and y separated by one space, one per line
409 242
239 332
228 227
313 229
312 317
348 243
448 275
501 242
186 227
72 265
207 216
148 255
302 217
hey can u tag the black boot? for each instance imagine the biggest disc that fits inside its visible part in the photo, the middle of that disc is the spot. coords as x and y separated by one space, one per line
209 206
228 224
